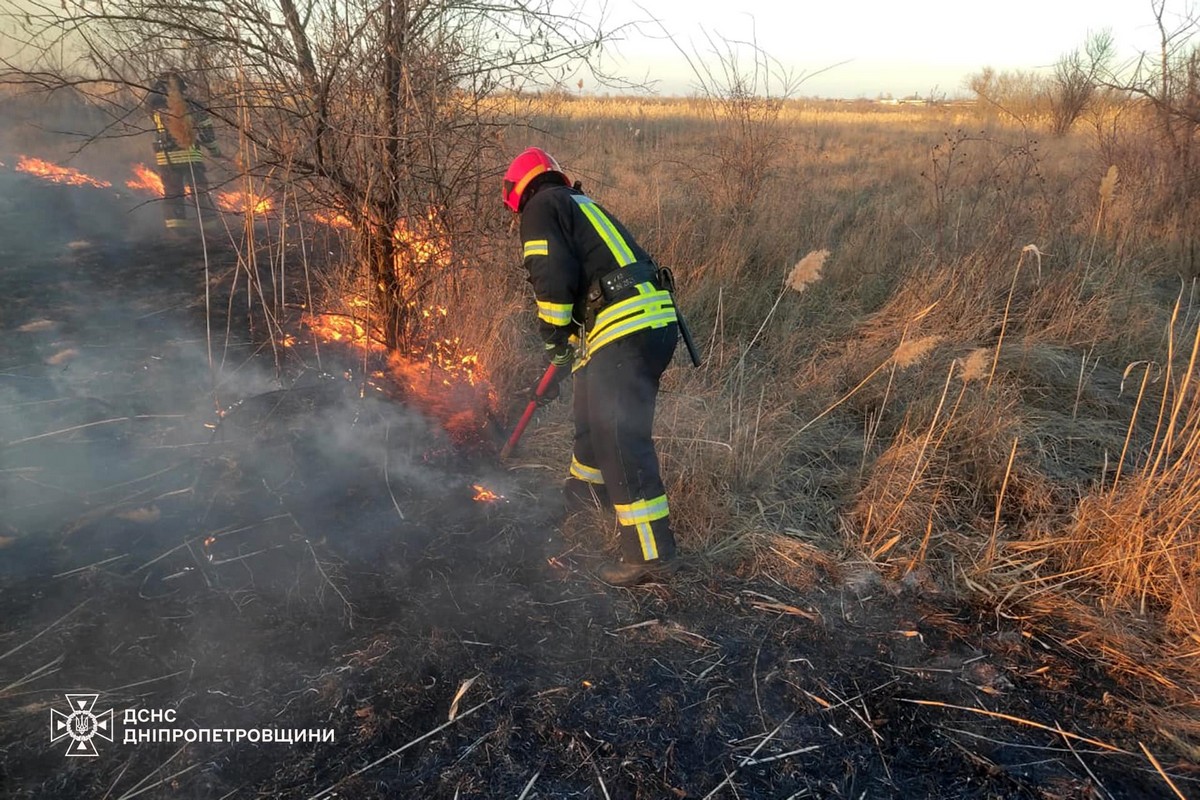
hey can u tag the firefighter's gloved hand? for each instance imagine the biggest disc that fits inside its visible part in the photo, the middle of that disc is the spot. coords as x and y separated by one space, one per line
560 355
551 392
548 396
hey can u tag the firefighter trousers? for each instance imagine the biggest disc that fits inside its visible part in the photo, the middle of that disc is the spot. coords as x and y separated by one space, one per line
615 395
177 179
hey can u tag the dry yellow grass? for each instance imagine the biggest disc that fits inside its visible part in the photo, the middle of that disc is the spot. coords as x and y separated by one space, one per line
983 447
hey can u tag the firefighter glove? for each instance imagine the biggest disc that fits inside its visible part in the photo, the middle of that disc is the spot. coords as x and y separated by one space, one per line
547 397
560 355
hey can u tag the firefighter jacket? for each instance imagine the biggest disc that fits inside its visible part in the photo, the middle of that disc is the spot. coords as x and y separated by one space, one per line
570 244
168 150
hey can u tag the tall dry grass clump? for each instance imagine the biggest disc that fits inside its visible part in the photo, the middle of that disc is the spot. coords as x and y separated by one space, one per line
1137 539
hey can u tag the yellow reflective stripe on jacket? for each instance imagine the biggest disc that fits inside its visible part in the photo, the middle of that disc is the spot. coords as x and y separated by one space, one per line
537 247
641 511
608 232
585 473
651 310
555 313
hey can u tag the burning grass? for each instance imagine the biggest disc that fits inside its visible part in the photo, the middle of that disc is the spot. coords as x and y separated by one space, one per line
439 376
54 173
242 202
145 180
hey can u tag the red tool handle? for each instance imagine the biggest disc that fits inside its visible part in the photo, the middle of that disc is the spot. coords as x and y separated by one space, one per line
543 385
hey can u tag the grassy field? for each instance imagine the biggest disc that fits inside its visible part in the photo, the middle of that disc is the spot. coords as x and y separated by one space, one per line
987 388
942 351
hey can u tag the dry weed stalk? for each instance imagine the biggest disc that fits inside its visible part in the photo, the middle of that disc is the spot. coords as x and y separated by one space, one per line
807 270
1029 248
1108 189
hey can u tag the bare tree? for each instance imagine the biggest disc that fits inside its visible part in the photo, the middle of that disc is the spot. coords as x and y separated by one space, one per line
1017 94
1076 80
1168 82
388 111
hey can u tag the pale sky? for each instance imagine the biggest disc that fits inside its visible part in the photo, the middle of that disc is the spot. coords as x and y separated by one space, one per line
896 46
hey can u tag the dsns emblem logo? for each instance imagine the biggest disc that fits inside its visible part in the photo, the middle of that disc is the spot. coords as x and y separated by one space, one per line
81 725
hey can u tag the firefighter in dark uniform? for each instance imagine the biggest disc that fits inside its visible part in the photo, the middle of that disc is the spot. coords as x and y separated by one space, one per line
596 286
181 127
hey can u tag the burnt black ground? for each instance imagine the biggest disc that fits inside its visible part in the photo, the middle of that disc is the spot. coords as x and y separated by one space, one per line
256 574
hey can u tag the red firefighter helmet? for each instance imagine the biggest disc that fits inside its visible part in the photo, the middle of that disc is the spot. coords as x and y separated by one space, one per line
524 168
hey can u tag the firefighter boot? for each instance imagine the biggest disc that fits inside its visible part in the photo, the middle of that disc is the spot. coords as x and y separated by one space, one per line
621 573
647 554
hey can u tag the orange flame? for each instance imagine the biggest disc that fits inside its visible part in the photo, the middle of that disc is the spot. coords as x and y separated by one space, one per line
145 180
439 376
239 202
485 495
333 220
420 244
342 328
56 174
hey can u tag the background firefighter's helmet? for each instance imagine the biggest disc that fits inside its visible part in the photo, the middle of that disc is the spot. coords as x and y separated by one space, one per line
524 168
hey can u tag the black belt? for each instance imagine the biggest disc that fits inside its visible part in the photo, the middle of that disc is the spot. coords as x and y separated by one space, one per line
618 282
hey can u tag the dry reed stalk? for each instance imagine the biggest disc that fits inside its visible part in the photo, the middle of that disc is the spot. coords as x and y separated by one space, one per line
974 366
806 271
990 554
1162 772
914 351
1007 308
1021 721
178 117
1180 395
933 423
1132 420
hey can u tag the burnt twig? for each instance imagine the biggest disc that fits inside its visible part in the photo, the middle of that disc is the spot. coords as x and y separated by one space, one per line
74 428
44 630
332 585
750 758
387 478
89 566
329 789
529 786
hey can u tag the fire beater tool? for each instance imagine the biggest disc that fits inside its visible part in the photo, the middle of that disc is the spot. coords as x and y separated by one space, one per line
666 279
543 386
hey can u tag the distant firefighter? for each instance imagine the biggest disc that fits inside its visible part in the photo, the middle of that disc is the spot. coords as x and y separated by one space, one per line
182 127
